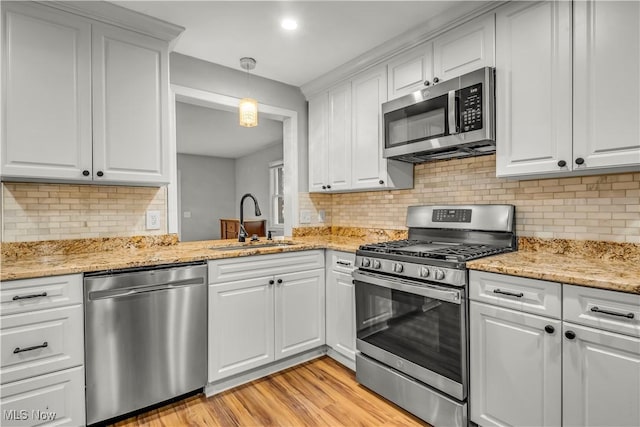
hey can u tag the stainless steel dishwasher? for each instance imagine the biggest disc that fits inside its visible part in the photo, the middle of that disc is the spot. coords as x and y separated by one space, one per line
145 337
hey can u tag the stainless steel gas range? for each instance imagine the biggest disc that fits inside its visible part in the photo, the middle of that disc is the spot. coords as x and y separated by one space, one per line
412 308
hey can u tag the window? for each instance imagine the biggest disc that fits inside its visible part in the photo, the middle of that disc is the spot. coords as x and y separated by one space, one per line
276 173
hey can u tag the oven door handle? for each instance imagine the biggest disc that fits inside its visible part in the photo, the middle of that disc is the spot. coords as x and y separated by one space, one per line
429 291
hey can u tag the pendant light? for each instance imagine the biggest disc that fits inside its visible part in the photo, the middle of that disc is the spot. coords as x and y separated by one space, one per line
248 108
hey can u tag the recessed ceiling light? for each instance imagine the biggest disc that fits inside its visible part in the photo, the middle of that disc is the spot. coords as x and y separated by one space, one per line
289 24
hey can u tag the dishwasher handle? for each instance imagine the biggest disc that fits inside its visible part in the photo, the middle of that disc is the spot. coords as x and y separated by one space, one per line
136 290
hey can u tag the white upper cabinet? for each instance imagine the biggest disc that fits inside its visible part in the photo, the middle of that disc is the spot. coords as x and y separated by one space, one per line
410 71
339 138
465 48
458 51
345 138
562 110
533 87
606 84
368 166
98 94
47 93
318 140
130 124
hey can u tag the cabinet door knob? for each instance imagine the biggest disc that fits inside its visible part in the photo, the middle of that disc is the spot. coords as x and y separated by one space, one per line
100 173
328 187
381 182
427 82
579 161
279 281
86 172
271 282
549 329
324 187
570 335
562 163
435 80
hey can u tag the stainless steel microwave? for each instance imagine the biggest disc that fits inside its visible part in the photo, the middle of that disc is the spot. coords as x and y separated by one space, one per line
455 118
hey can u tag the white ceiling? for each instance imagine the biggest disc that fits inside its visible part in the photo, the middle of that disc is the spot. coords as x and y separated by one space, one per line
208 132
329 34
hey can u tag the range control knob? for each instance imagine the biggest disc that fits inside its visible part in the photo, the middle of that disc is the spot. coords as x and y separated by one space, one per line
376 264
438 274
397 267
424 272
366 262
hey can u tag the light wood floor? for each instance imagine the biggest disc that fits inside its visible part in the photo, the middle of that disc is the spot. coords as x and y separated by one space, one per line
317 393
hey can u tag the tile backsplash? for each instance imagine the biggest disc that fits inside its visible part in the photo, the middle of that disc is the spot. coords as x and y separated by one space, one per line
596 207
33 211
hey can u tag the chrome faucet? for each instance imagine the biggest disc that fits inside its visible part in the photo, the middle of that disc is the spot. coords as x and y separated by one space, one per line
242 234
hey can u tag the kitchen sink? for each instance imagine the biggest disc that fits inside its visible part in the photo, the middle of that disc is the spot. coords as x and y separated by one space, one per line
251 246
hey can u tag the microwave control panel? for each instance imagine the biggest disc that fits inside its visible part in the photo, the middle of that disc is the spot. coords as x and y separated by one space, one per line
470 108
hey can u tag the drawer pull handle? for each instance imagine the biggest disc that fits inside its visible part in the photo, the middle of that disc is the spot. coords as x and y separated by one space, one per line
19 297
35 347
612 313
511 294
348 264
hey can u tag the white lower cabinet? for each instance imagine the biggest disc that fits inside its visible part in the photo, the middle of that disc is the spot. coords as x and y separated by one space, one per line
601 357
299 312
341 317
264 316
42 352
578 367
600 378
515 367
52 399
241 326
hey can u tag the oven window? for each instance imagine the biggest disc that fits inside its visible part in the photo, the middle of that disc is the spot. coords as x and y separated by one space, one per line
421 330
417 122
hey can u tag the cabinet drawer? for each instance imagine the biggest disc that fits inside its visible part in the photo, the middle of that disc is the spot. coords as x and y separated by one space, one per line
17 296
602 309
232 269
60 328
518 293
52 399
343 262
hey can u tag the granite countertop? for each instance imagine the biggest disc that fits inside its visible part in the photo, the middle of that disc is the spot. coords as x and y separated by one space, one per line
604 265
37 264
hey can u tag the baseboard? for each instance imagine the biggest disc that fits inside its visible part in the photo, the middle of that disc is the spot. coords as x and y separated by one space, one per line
342 359
254 374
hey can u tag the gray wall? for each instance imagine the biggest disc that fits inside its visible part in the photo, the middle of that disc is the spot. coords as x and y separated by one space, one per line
252 176
208 191
198 74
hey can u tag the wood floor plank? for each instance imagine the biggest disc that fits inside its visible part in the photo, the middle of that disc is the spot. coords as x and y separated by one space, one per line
318 393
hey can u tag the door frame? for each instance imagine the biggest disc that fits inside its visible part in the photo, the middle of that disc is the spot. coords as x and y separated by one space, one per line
289 119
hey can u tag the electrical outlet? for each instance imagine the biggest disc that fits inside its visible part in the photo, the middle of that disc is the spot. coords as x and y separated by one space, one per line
321 215
187 214
153 220
305 217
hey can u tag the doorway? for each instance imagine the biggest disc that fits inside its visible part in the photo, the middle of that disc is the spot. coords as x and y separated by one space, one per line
223 104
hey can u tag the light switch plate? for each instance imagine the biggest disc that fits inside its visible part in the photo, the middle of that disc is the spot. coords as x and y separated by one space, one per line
153 220
322 215
305 217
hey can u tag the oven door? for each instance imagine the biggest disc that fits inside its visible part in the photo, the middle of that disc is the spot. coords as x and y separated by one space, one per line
417 328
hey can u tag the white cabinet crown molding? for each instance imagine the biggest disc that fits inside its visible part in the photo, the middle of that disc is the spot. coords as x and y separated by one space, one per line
437 25
122 17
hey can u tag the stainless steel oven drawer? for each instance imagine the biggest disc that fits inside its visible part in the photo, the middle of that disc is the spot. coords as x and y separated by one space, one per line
415 397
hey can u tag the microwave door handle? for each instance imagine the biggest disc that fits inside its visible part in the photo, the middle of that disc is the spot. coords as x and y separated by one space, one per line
453 113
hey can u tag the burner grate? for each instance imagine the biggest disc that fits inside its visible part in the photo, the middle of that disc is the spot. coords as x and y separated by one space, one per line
452 252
